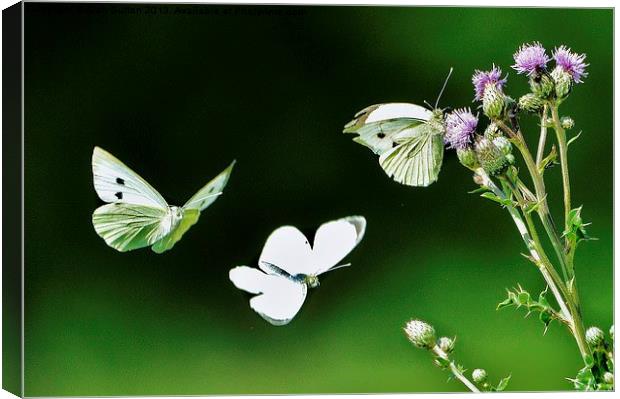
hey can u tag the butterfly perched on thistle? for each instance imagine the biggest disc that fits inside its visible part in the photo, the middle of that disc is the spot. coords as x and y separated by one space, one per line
136 215
407 137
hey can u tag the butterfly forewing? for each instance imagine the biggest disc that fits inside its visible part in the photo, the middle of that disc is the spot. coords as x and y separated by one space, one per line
334 240
209 193
125 226
288 249
116 182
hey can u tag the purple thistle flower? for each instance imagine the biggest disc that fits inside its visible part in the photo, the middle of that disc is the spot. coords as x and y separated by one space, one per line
482 79
530 59
571 62
460 128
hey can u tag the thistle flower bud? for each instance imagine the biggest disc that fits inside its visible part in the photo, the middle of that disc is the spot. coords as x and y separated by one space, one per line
492 131
611 332
503 144
491 158
420 333
563 82
594 336
468 158
446 344
567 122
542 85
493 102
479 376
608 378
530 103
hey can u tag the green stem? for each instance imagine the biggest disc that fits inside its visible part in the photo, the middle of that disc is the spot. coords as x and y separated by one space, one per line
569 298
541 196
543 136
541 260
455 370
563 150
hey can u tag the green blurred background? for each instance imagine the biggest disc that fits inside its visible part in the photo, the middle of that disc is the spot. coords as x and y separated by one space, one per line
177 92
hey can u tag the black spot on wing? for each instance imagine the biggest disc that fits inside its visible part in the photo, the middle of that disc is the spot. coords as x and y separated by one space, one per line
119 195
120 181
380 135
394 144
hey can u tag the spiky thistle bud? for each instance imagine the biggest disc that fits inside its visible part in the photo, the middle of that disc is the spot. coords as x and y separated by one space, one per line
446 344
503 144
567 122
594 336
492 131
479 376
563 82
530 103
420 333
467 157
491 158
542 85
493 102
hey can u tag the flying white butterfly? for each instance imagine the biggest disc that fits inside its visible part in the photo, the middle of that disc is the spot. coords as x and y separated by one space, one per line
289 265
136 215
407 137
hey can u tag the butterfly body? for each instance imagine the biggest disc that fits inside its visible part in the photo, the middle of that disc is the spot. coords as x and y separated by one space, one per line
136 215
288 266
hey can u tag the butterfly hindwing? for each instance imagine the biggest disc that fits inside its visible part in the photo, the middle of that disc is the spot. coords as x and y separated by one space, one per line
416 161
116 182
126 226
190 217
278 298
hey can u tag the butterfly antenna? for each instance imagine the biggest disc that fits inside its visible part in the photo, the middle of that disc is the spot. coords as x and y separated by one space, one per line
428 105
340 266
445 83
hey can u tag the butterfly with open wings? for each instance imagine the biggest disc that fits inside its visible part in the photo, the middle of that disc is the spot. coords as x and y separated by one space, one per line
136 215
289 266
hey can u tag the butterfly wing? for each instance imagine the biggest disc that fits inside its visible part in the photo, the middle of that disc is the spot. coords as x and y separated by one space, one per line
116 182
334 240
377 125
126 226
278 298
209 193
287 249
190 217
416 160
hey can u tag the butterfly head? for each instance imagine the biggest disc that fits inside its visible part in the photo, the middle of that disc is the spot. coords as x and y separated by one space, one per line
311 280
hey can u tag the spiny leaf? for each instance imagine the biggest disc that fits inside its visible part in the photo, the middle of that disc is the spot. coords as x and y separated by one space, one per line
502 201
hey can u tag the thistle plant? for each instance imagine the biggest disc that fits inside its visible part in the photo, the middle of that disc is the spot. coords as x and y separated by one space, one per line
422 335
511 173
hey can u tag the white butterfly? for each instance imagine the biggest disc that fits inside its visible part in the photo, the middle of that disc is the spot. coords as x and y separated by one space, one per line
289 265
137 215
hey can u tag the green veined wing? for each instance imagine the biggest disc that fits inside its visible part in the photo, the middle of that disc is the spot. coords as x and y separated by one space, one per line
126 226
416 160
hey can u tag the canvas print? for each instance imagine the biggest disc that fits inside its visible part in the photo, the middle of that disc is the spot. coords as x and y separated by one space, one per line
301 199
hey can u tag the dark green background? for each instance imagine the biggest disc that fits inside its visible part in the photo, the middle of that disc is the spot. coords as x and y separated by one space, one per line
178 95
